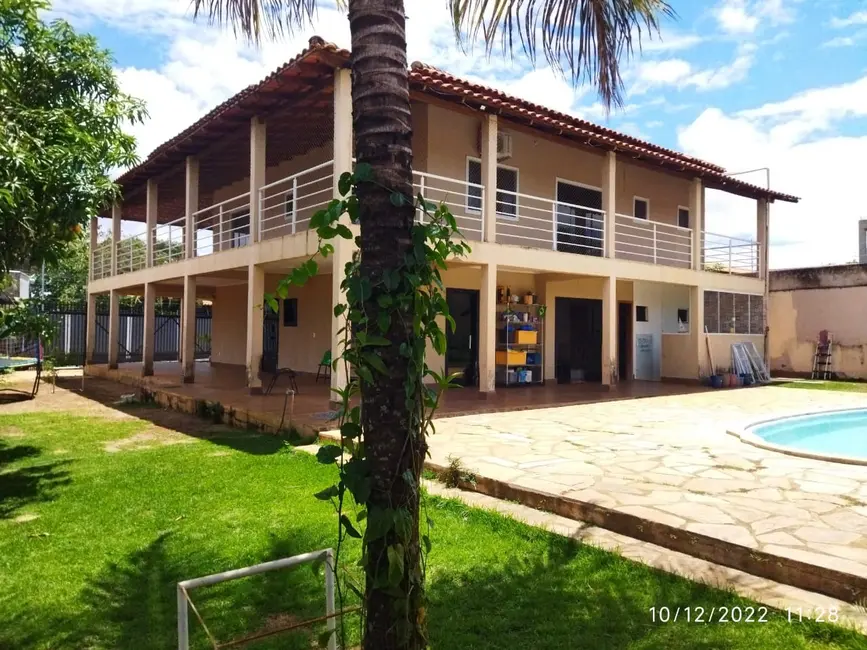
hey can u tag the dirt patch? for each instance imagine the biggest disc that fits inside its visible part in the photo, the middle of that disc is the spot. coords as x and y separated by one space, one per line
149 438
23 519
11 432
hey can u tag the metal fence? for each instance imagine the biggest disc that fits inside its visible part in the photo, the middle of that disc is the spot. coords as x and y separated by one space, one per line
70 339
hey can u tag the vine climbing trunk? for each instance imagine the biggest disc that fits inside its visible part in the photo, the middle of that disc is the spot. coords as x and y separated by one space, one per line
393 438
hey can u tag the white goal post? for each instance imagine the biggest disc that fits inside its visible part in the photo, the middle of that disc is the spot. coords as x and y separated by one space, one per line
326 556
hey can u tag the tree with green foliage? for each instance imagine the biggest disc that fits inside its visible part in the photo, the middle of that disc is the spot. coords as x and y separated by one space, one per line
393 297
62 116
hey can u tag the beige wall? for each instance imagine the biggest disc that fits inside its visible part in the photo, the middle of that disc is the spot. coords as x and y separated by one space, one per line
300 348
795 319
229 325
454 136
314 192
678 359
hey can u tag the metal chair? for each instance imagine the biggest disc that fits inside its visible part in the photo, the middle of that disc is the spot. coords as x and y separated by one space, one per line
324 369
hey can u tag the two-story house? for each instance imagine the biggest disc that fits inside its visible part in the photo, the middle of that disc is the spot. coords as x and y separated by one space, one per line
604 230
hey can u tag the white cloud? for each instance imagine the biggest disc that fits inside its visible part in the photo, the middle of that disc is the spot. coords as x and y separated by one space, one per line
669 42
742 18
856 18
682 74
825 172
733 17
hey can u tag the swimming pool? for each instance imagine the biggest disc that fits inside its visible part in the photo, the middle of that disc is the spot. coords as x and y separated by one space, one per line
836 435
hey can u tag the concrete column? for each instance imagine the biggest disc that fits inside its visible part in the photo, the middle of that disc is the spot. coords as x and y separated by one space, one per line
191 205
696 333
609 201
151 218
609 331
762 235
489 176
90 332
188 329
94 242
696 216
115 235
257 173
343 249
181 331
488 329
113 327
148 341
255 322
342 143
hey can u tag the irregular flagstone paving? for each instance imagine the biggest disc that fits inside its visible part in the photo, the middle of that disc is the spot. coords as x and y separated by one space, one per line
671 460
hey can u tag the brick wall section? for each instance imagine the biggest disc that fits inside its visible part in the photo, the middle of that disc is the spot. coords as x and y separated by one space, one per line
711 311
757 309
742 313
726 311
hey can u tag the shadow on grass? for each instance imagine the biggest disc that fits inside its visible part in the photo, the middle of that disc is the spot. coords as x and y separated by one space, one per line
576 597
108 394
133 603
29 484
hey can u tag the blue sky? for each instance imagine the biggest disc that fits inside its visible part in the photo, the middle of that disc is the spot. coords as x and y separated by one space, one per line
743 83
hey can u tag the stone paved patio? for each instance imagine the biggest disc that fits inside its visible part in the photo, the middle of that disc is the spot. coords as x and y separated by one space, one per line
670 460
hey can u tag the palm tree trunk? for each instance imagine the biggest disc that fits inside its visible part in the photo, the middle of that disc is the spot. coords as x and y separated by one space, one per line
383 138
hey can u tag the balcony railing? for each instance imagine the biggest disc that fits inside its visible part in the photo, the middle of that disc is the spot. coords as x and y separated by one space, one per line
465 200
132 253
642 240
286 205
724 254
169 241
222 226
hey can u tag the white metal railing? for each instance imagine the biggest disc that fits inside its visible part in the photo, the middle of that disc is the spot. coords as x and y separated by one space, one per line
642 240
286 205
169 241
222 226
725 254
100 264
132 253
465 200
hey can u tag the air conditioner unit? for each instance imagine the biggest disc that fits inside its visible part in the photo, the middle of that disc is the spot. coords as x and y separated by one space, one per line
504 145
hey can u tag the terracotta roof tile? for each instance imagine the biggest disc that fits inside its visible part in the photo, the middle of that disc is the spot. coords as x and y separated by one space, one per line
432 80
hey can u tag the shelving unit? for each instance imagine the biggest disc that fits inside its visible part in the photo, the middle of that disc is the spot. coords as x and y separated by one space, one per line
520 345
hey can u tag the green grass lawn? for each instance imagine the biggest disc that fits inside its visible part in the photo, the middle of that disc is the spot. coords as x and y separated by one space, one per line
116 530
845 386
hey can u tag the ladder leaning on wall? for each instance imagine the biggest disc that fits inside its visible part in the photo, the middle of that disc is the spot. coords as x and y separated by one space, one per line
823 356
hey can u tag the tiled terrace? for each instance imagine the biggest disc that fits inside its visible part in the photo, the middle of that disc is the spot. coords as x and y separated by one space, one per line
670 461
226 385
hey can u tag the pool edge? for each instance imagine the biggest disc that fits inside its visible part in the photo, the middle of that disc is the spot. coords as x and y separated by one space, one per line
746 436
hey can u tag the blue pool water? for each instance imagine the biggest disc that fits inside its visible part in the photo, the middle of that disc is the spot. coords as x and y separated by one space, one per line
839 433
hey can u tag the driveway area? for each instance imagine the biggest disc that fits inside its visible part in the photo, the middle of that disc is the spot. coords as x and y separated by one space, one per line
670 460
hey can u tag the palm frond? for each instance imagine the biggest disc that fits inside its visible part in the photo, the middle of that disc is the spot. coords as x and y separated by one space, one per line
257 19
586 39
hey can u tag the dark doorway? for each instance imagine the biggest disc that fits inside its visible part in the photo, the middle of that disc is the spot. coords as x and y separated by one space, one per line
579 219
270 339
578 340
624 339
462 345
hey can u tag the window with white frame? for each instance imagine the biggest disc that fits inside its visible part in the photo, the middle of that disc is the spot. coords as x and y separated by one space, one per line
683 217
507 188
640 208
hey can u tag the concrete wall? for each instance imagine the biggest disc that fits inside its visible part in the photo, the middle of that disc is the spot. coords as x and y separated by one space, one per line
795 319
452 137
300 348
678 358
229 325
